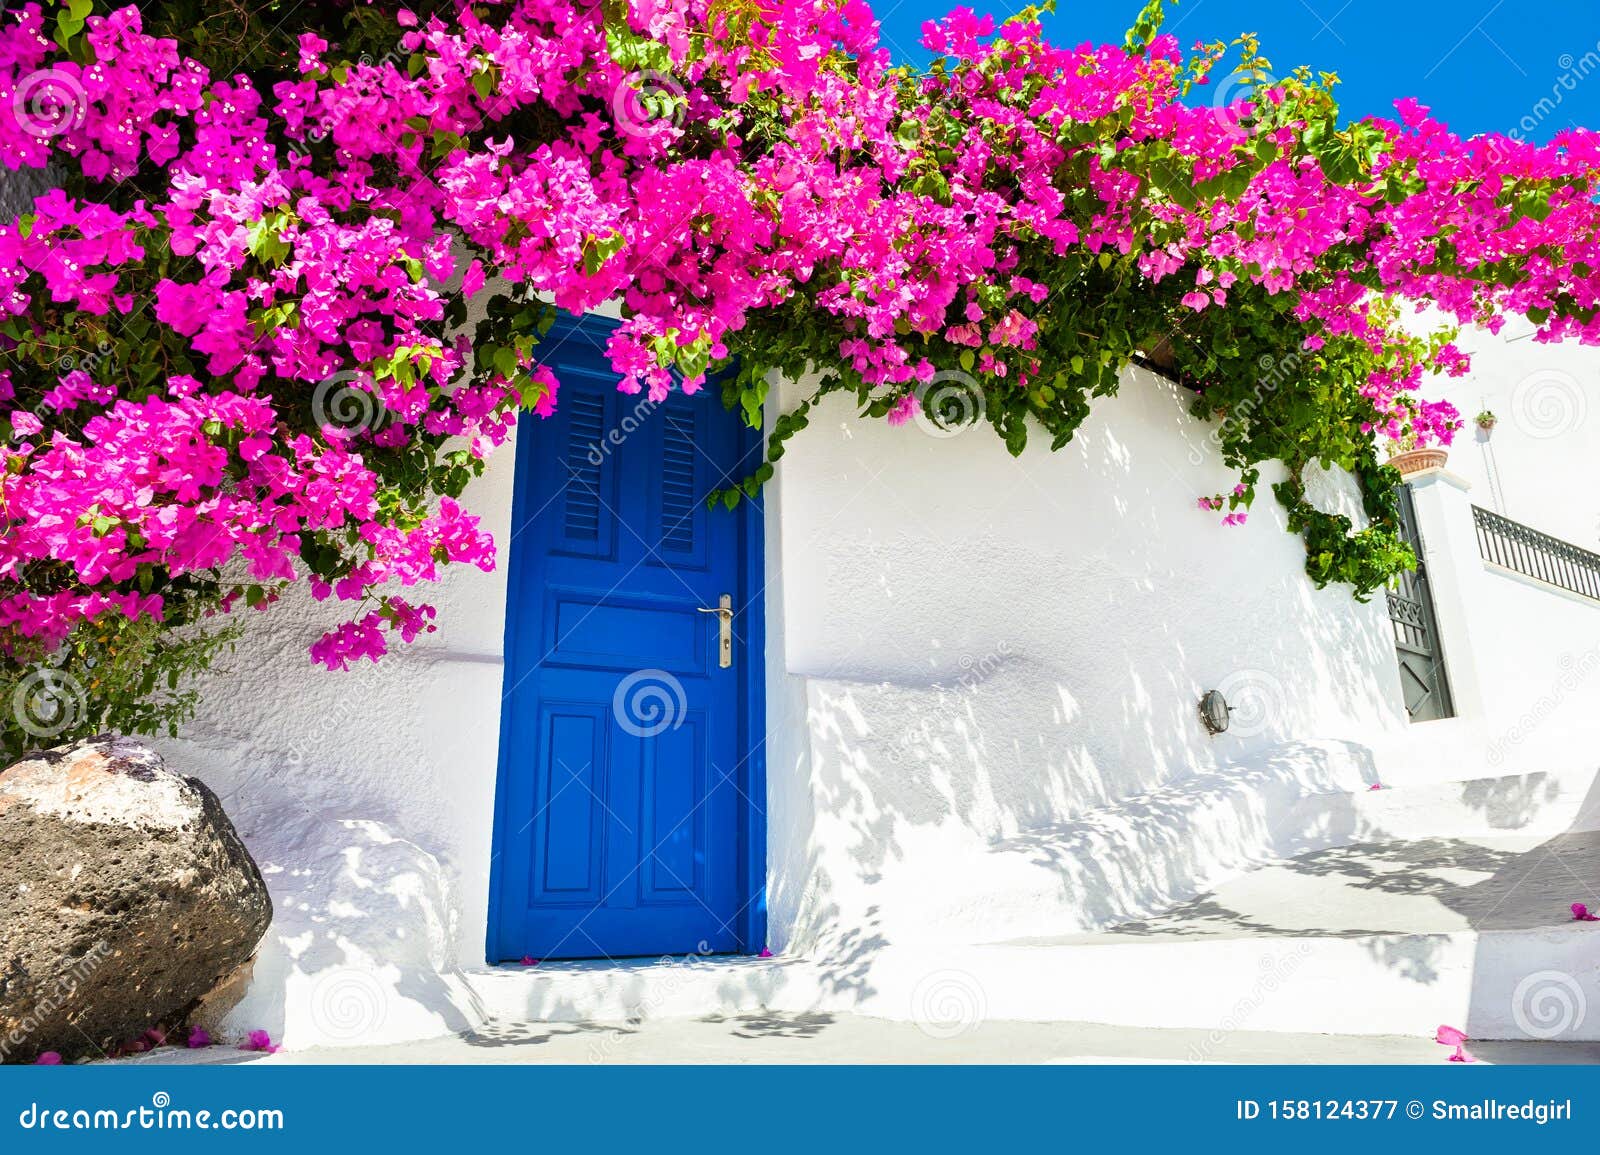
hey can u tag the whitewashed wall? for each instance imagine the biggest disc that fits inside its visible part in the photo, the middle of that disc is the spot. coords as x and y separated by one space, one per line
367 798
973 661
993 653
1524 658
1541 463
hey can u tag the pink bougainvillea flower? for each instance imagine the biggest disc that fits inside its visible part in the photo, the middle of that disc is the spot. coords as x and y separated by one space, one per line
1376 786
765 953
48 1059
307 267
1449 1036
259 1041
1580 913
529 961
198 1037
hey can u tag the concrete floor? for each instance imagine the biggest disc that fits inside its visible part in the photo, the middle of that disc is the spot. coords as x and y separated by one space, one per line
842 1039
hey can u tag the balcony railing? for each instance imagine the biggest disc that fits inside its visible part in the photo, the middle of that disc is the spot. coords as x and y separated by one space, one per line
1526 551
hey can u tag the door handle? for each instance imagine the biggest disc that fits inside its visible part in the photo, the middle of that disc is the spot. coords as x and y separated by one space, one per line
724 611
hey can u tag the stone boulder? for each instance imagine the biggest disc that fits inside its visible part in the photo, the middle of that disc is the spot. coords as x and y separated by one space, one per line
126 899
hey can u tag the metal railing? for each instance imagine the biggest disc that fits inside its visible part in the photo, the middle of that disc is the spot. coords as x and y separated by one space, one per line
1526 551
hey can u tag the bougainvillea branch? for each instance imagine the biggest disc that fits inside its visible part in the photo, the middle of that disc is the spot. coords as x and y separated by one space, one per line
235 341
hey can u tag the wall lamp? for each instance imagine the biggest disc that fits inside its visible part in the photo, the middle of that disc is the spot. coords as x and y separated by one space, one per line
1214 711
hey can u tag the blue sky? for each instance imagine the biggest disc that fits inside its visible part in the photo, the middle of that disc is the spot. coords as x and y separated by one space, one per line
1482 65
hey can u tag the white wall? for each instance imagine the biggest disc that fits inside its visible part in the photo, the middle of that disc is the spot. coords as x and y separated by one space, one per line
991 648
367 798
983 675
1524 658
1541 463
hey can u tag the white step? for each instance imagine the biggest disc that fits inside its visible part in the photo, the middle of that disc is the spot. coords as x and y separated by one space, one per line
1494 985
1513 985
1381 938
638 990
1150 851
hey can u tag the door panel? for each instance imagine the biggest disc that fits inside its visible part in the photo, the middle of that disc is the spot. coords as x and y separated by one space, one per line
621 817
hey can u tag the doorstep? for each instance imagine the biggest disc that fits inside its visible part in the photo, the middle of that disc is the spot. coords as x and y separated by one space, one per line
634 990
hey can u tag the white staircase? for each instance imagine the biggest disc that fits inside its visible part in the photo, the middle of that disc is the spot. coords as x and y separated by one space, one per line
1259 899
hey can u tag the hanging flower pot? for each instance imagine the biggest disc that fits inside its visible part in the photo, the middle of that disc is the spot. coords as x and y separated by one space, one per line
1410 461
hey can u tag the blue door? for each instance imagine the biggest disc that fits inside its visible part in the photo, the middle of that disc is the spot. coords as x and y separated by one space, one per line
626 816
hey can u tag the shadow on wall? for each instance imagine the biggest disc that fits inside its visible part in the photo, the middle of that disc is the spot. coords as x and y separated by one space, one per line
339 784
979 805
362 945
994 647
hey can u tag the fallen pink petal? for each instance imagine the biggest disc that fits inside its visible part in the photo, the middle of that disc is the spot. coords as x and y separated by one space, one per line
48 1059
259 1041
198 1037
1580 913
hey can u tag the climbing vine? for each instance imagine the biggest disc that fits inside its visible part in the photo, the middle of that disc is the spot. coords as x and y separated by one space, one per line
236 345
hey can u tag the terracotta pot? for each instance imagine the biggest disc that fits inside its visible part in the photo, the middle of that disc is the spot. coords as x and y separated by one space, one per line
1416 460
